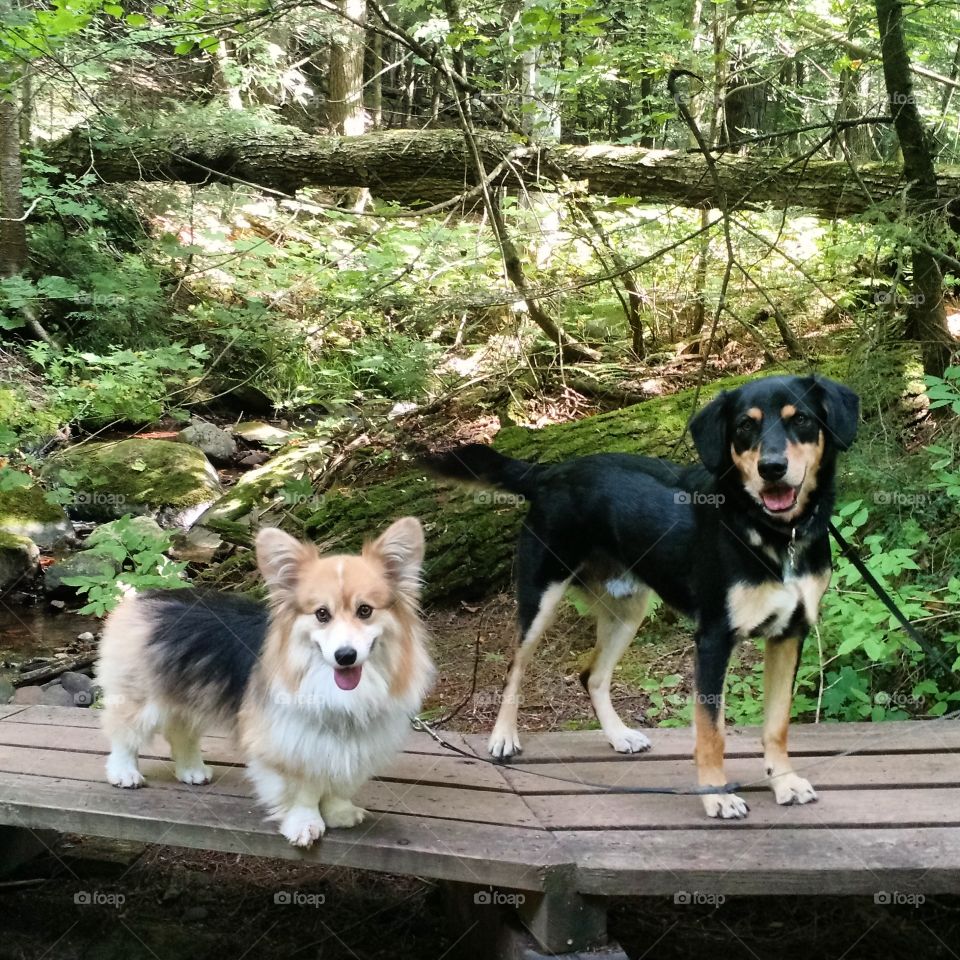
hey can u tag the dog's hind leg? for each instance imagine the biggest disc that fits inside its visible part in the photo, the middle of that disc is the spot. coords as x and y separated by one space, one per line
617 624
780 659
128 724
184 740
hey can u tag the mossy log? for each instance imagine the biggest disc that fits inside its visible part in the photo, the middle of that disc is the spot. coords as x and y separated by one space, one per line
471 532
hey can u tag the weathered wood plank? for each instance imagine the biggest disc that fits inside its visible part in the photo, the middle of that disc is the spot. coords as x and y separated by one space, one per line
911 736
447 768
927 806
75 717
9 709
825 772
408 798
480 854
786 861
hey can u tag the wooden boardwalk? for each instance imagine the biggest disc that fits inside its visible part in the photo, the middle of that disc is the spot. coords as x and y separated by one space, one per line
888 818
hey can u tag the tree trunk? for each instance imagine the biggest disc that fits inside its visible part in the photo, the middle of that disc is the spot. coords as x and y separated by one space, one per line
393 164
926 316
345 90
471 533
13 226
225 75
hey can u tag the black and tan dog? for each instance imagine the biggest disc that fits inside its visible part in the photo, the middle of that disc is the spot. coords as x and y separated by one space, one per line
739 544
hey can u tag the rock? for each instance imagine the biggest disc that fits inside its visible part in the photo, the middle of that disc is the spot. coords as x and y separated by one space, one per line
6 690
254 458
136 476
58 604
19 560
86 563
257 431
144 526
86 637
29 696
55 696
265 487
79 686
26 512
402 409
196 546
217 444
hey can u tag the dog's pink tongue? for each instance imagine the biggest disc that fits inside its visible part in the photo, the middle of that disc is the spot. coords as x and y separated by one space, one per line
778 498
347 677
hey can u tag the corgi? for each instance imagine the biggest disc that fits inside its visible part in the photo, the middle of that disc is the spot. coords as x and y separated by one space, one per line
318 685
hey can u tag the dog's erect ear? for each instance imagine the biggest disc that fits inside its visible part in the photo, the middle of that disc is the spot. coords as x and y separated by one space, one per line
279 557
841 407
709 431
400 549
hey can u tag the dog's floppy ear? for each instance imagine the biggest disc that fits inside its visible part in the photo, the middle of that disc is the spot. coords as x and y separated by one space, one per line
279 557
841 407
400 549
709 431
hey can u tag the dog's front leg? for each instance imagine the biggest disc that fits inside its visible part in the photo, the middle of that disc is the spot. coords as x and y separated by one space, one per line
780 659
714 645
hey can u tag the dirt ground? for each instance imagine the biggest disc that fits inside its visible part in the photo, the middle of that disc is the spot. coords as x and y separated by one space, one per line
97 900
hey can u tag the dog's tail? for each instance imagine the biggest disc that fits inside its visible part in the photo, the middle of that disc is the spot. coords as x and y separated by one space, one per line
476 463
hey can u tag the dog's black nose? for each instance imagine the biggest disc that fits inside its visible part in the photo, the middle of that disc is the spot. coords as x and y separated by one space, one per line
772 468
345 656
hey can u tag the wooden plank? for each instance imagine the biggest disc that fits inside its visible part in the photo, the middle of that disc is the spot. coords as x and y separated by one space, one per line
480 854
892 771
836 808
75 717
411 799
761 862
908 736
9 709
447 768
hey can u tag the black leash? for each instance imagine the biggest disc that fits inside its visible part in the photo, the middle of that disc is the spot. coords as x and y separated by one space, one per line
419 724
849 553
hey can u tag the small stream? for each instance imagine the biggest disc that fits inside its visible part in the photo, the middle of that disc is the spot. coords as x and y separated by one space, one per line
38 631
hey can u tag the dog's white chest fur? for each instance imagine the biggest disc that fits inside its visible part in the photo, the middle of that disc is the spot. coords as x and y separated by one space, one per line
773 604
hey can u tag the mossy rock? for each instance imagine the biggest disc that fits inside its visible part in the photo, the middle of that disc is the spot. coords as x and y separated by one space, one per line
471 537
86 563
108 480
26 511
19 560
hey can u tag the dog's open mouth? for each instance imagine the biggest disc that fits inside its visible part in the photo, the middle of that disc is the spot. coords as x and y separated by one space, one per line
779 497
347 677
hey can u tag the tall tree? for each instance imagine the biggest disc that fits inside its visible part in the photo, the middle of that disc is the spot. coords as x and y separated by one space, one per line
345 91
926 316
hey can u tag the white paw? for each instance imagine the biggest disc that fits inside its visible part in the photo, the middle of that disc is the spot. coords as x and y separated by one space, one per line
342 813
504 743
628 741
788 788
724 806
302 826
128 777
199 774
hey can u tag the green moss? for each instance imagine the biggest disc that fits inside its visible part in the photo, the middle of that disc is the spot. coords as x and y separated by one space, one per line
22 415
13 541
130 475
26 504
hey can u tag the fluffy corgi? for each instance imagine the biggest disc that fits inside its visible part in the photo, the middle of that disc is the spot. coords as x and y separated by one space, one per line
318 686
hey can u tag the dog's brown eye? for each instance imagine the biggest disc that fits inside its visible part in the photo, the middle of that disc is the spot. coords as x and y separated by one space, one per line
800 420
323 614
364 611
